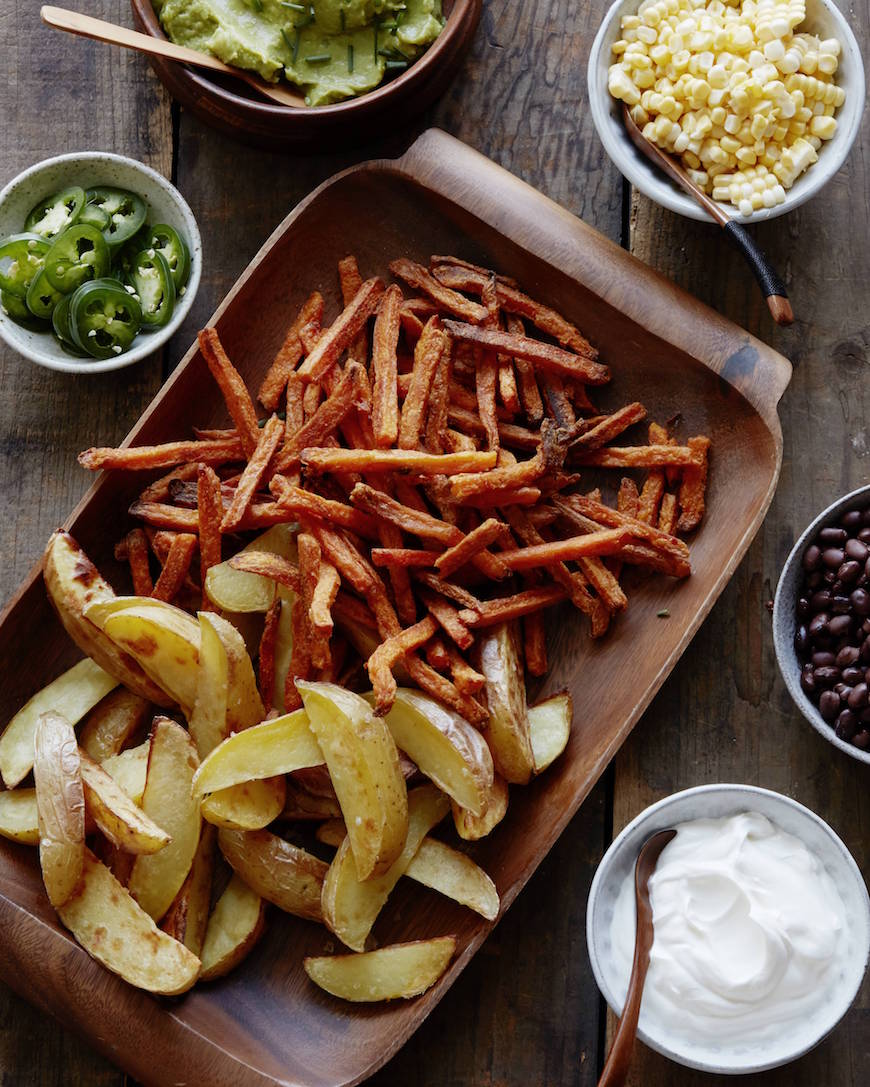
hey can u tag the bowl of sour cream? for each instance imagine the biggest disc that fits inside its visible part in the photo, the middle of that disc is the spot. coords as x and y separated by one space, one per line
762 928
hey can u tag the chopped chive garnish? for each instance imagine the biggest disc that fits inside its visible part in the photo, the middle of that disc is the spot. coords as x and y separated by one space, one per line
390 54
663 614
292 46
319 58
395 65
350 56
389 26
286 38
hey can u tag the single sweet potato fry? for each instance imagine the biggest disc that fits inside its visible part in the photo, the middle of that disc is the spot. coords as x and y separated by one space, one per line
140 457
534 644
504 608
350 280
175 569
300 502
427 357
605 542
559 403
233 388
545 356
640 456
390 652
651 496
342 332
268 640
269 565
323 598
309 575
476 541
416 276
289 353
610 427
137 557
668 514
447 617
254 473
402 558
209 514
385 401
693 487
396 460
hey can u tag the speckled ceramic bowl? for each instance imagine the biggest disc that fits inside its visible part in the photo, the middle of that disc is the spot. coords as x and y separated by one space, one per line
90 168
785 619
713 802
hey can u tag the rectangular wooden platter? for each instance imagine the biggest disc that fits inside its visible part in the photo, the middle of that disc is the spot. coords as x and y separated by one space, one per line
266 1024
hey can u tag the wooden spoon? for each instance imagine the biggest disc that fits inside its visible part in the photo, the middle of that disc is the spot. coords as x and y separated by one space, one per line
768 280
619 1057
87 27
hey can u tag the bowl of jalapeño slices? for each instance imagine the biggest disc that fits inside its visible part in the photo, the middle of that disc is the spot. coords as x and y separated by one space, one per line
100 260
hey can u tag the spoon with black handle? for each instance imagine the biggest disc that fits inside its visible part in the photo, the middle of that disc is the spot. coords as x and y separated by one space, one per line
619 1057
771 285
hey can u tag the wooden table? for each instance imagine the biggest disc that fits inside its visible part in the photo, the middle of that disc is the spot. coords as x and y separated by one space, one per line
527 1010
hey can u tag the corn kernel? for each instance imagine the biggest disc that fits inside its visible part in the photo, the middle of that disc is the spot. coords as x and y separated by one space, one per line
823 127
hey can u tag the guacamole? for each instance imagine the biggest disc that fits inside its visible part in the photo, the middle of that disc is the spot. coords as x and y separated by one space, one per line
332 49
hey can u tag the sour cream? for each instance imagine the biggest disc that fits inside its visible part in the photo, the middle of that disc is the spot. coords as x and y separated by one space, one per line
750 933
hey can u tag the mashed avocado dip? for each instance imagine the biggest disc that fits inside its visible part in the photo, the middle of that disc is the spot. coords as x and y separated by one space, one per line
332 49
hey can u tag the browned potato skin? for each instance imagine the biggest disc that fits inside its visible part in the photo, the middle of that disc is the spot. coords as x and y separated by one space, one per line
73 582
112 722
187 918
278 871
507 733
60 806
473 827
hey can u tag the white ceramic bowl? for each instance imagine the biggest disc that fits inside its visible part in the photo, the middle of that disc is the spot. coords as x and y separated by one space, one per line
88 169
824 18
785 619
717 801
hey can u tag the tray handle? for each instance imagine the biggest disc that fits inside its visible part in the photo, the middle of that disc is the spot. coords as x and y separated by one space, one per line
536 223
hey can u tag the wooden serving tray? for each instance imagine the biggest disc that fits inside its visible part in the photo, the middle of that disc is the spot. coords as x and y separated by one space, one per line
267 1024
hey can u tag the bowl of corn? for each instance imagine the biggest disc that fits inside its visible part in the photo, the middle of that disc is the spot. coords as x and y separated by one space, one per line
761 100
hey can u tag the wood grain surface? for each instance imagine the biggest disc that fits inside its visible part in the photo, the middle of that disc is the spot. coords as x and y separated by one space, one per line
526 1010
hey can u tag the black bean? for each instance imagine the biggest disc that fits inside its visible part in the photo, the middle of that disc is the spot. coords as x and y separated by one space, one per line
814 580
823 657
864 535
826 676
803 608
847 723
862 739
853 675
831 535
829 705
801 639
856 550
851 520
840 605
812 557
842 689
850 571
858 698
818 625
808 683
859 599
839 626
848 655
832 557
820 600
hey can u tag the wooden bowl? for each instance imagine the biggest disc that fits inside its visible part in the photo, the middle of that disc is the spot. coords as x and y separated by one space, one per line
228 105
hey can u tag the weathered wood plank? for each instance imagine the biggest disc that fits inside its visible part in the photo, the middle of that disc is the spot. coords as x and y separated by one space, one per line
724 715
60 94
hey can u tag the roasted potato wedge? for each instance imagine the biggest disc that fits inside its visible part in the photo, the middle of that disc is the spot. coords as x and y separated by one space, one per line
364 766
549 728
350 905
236 924
172 761
121 820
251 805
19 821
437 866
165 642
236 590
471 826
507 732
73 582
60 806
115 930
187 917
390 973
276 870
244 705
208 719
72 694
273 747
129 769
112 722
283 646
446 748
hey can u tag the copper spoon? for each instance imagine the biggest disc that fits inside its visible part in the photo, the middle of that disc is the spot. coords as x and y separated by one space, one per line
619 1057
88 27
768 280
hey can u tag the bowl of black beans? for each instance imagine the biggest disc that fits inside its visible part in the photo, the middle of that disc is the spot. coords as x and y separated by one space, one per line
821 624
